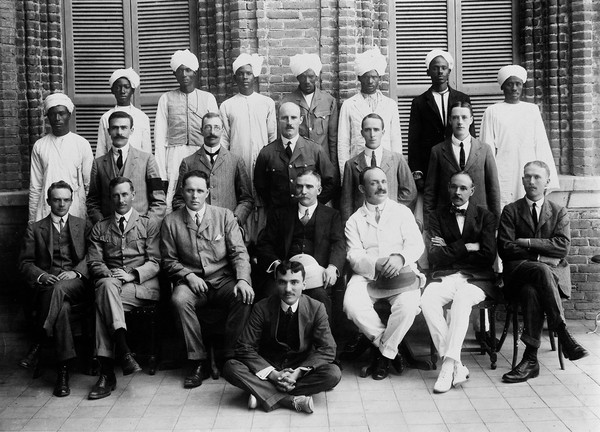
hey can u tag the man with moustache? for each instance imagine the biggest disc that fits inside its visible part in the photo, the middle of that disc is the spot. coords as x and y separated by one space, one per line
250 123
204 255
401 186
383 243
178 124
279 163
60 155
123 83
533 241
229 183
125 161
286 352
461 255
309 232
124 261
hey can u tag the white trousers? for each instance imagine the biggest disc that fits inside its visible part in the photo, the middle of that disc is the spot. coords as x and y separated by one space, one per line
448 337
358 306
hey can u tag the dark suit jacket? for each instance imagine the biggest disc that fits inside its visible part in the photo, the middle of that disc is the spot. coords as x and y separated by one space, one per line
552 238
140 167
230 185
275 176
426 128
215 249
258 347
480 227
36 251
400 183
275 240
480 164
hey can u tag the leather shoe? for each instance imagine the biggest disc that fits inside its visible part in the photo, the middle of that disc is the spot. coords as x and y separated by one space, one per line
571 349
356 347
382 367
303 404
252 402
103 387
32 357
522 372
197 374
129 365
61 388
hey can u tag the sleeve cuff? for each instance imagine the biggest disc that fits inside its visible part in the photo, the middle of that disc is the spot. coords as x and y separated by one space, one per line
39 277
264 373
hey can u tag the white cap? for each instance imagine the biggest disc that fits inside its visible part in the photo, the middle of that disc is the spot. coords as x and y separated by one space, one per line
511 70
58 98
185 58
370 60
300 63
129 73
254 60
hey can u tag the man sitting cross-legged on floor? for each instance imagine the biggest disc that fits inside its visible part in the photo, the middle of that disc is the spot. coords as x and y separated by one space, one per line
286 351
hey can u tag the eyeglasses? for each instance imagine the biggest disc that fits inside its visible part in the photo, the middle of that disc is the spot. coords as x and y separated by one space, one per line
209 128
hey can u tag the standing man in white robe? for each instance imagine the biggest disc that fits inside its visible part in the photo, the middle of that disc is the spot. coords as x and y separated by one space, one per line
250 123
123 83
516 133
178 125
369 67
60 155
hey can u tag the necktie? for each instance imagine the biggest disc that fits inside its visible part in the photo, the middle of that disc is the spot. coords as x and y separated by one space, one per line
61 224
461 158
373 160
212 156
288 150
198 219
289 312
377 214
534 215
120 160
122 224
457 211
304 219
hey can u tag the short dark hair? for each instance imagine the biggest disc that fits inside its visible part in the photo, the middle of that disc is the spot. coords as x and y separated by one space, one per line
372 116
460 105
540 164
61 184
463 172
311 173
195 173
361 175
210 115
120 180
120 115
293 266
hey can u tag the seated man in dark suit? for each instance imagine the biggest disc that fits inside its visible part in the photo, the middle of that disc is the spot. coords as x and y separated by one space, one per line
204 255
286 351
307 228
54 267
461 254
533 241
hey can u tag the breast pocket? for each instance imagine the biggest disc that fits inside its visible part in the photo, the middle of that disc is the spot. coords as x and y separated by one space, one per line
321 120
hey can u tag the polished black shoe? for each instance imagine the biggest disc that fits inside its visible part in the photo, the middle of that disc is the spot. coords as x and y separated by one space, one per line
32 358
356 347
522 372
61 388
382 368
399 363
571 349
129 365
103 387
197 374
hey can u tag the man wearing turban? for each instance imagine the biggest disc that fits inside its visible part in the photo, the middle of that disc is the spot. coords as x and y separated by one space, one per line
123 83
369 66
319 110
250 123
516 133
60 155
178 125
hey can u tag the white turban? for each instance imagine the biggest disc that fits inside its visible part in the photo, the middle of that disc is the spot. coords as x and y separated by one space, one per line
254 60
129 73
185 58
56 99
437 53
512 70
300 63
370 60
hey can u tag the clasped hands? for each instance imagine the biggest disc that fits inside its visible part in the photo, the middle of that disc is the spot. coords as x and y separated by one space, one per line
49 279
389 267
285 379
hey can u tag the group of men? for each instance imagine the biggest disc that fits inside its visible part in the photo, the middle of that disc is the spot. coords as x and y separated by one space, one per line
223 181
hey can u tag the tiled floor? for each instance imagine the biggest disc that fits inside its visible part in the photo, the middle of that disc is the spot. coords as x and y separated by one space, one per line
557 400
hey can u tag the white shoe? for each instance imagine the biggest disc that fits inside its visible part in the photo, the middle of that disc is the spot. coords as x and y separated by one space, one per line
444 381
252 402
461 374
303 404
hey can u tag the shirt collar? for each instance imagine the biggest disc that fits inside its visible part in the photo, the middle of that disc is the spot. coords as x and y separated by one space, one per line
539 203
56 219
371 207
212 149
294 141
378 153
284 306
311 209
124 150
193 213
466 141
126 215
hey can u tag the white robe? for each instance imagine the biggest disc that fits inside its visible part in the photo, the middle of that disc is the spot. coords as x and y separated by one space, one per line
517 135
67 158
352 113
139 138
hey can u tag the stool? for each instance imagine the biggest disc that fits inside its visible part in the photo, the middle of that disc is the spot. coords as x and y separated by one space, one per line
145 317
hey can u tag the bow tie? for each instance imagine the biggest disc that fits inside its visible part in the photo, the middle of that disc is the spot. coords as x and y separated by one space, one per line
458 211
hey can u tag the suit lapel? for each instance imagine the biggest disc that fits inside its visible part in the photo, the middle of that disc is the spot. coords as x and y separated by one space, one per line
470 222
76 232
452 223
473 154
298 149
302 312
319 230
386 161
46 232
130 163
206 220
202 158
109 167
449 154
360 162
431 103
545 215
132 222
525 214
220 159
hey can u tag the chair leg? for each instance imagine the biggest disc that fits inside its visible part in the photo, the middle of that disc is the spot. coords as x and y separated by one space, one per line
515 323
482 342
152 359
552 342
561 357
493 350
505 329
